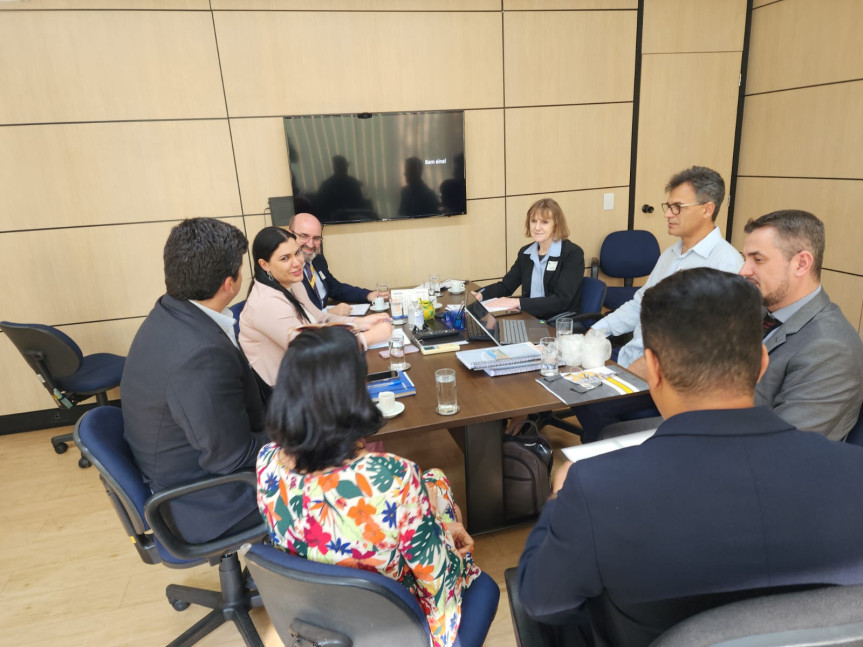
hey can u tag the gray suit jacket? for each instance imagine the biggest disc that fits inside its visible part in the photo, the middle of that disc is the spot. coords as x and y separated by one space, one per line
815 377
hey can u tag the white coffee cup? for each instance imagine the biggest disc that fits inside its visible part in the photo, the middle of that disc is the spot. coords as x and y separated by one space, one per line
379 303
386 402
456 286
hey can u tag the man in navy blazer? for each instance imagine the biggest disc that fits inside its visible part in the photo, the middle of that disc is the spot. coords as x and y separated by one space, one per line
319 282
725 501
815 377
191 404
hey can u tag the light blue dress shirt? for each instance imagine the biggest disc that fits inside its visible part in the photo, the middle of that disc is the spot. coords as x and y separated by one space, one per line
224 319
537 287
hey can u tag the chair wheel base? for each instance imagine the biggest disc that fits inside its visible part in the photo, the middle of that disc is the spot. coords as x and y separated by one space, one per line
83 463
60 448
179 605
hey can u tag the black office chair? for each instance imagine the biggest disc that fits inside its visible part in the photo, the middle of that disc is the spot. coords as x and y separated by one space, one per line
99 435
592 296
236 310
855 436
625 255
827 617
311 603
68 375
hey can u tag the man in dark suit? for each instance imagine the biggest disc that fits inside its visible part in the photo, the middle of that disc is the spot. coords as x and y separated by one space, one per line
191 405
320 284
815 377
725 501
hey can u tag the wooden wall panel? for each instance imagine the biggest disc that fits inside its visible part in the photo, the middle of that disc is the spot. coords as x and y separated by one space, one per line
535 5
359 5
789 44
846 291
403 252
761 3
108 65
569 147
836 202
373 62
90 5
811 132
484 153
22 390
588 223
87 174
562 57
693 26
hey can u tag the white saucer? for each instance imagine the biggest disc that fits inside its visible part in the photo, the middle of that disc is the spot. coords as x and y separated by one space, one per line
400 406
457 291
384 309
438 305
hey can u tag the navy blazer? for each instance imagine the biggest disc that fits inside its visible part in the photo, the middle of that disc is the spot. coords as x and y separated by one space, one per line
562 285
336 290
192 409
716 502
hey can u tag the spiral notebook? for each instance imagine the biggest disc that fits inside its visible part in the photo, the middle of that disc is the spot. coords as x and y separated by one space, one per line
497 356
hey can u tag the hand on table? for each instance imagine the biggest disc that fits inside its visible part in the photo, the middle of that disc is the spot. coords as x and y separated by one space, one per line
504 303
374 294
477 295
342 309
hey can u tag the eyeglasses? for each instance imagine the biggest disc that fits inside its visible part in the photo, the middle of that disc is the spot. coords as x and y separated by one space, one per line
677 206
305 237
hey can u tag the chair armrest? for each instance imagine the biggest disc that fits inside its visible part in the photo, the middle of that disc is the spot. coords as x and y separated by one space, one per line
594 267
587 315
562 315
185 550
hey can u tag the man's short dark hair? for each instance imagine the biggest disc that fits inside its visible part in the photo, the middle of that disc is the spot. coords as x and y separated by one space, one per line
705 328
708 184
795 231
199 255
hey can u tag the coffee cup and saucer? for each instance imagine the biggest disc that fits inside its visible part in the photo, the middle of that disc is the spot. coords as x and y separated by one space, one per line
379 305
456 287
388 405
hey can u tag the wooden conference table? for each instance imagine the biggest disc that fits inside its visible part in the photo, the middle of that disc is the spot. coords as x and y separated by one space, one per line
484 405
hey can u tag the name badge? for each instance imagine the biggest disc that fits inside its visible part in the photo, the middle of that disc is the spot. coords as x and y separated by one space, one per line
321 274
551 267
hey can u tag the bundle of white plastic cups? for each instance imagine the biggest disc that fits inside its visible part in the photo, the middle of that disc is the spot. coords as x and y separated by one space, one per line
589 351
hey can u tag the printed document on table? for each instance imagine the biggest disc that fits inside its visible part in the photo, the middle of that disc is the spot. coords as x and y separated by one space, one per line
357 309
580 452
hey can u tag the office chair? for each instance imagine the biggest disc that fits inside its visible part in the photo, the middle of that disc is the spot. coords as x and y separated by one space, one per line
625 255
99 435
236 309
855 436
592 296
67 374
311 603
528 632
828 617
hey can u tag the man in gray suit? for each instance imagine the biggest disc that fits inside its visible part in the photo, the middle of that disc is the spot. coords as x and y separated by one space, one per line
815 377
191 404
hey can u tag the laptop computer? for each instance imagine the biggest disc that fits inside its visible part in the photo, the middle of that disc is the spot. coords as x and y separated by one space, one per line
482 325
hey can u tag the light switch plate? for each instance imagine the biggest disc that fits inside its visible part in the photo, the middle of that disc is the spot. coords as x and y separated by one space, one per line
607 201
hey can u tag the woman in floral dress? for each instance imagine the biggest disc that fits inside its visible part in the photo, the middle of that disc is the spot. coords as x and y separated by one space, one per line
326 499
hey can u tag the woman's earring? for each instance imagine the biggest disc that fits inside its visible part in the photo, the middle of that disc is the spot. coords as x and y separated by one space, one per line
270 275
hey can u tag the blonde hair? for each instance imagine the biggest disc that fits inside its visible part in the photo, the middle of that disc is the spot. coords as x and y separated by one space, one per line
552 210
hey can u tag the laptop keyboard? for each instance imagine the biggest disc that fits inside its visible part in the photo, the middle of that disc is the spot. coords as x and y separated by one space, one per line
475 332
512 331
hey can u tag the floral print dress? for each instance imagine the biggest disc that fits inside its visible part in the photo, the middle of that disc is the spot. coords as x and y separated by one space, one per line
378 513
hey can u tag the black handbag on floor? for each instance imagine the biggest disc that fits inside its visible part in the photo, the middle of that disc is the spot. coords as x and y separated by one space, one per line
527 459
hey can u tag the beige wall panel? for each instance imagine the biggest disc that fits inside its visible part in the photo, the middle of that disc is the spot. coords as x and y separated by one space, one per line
108 65
262 158
360 5
85 273
675 133
375 61
846 291
89 174
797 43
262 161
535 5
22 390
251 226
761 3
811 132
588 223
563 57
24 5
836 202
403 252
484 153
693 26
568 147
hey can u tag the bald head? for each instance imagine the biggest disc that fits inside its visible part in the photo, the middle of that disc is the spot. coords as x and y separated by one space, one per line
308 231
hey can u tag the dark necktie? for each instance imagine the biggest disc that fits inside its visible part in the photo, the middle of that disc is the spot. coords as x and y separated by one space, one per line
770 322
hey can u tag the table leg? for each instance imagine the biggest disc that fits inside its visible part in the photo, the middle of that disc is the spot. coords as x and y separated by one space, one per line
483 475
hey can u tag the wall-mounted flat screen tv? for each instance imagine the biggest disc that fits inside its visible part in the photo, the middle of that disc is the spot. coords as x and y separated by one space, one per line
375 166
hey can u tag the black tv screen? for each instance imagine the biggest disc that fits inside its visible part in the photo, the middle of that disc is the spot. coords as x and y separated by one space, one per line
375 166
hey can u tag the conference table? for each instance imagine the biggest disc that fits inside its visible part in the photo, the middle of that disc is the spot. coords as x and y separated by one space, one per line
484 405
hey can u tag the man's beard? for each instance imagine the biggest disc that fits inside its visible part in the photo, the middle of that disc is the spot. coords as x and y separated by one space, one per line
778 295
308 257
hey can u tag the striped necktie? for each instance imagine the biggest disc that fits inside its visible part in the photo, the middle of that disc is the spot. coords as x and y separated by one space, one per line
310 277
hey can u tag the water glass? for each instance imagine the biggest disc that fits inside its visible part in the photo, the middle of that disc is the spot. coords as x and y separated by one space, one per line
563 327
548 356
447 400
382 287
397 354
434 285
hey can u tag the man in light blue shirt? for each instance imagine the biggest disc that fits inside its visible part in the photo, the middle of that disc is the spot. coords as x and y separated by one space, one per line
694 198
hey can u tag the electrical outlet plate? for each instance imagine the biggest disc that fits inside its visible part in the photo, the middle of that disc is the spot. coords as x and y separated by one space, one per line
607 201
